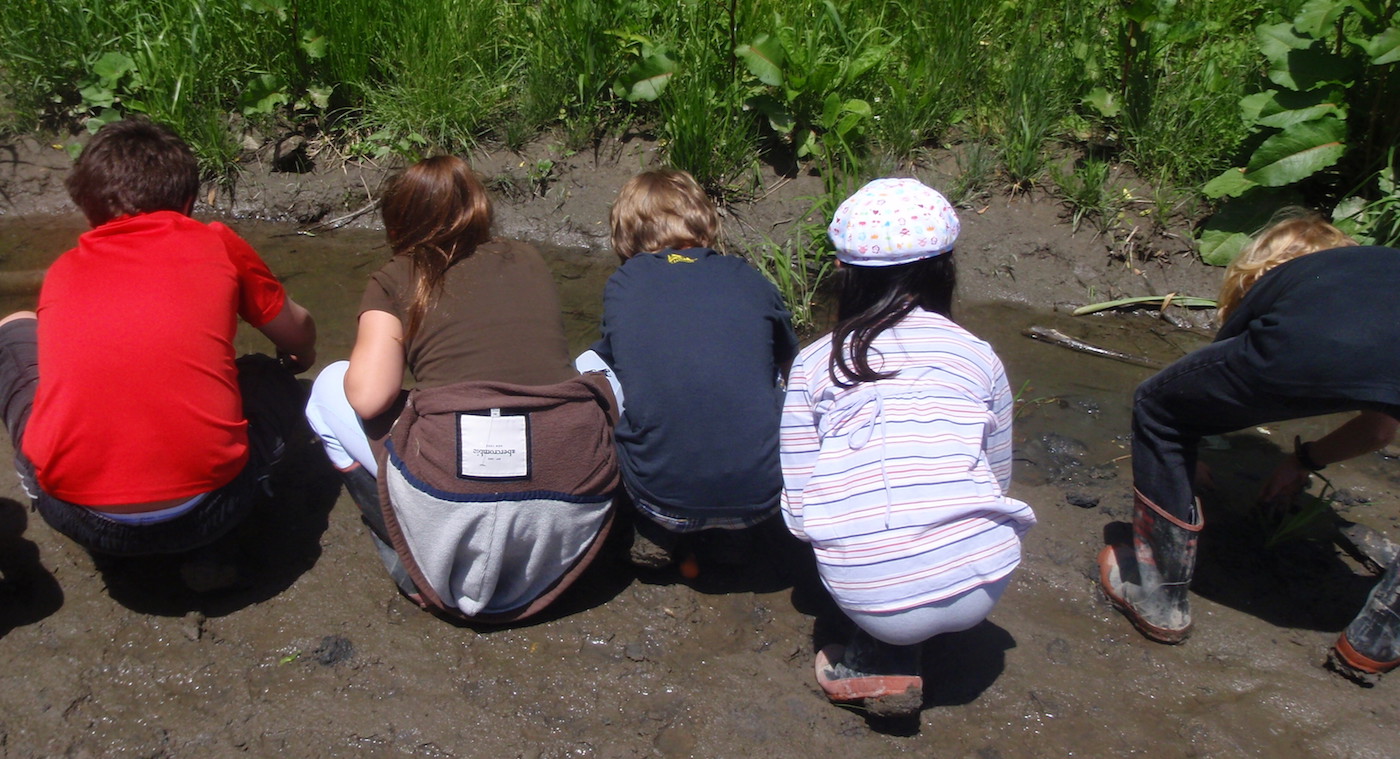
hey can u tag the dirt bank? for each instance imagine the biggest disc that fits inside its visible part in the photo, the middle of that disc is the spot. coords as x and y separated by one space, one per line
316 655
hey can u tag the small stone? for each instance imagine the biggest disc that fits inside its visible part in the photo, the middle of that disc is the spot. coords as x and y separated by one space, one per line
333 650
1082 500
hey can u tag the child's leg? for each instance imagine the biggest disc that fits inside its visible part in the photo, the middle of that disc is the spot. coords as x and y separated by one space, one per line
880 666
588 361
336 423
914 626
19 376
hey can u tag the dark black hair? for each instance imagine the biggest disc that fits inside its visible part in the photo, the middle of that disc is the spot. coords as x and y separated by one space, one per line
873 299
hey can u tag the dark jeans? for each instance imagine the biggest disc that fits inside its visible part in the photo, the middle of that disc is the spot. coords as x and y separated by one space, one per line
272 401
1204 394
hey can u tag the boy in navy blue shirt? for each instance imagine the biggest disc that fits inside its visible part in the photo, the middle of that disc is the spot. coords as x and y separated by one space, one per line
695 343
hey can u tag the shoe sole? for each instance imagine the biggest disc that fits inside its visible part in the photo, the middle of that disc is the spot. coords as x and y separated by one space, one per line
882 695
1108 566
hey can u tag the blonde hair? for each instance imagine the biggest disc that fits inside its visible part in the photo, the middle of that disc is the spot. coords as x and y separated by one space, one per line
661 209
1294 232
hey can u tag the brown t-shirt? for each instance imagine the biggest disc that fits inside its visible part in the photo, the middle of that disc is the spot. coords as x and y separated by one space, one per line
496 317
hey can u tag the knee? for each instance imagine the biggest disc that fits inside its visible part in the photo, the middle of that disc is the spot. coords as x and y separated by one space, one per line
16 316
330 383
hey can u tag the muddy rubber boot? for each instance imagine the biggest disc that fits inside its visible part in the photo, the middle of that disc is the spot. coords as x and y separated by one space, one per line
881 677
1370 646
1148 580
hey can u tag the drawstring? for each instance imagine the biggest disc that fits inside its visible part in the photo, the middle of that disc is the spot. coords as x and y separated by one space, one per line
859 437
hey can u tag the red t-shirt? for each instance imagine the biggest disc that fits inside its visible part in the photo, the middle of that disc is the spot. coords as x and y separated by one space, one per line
138 395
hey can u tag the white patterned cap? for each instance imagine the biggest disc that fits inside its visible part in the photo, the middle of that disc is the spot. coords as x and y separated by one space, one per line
893 221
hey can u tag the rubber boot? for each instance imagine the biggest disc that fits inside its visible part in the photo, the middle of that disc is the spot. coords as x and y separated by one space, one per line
1370 646
364 490
1148 580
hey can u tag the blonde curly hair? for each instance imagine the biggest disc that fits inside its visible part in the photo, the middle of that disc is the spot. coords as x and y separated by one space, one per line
1293 232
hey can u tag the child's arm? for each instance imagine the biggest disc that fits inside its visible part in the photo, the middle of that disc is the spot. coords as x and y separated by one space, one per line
1366 432
999 439
293 332
375 376
799 445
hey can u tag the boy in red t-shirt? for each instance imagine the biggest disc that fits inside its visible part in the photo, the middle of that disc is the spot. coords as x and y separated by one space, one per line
135 430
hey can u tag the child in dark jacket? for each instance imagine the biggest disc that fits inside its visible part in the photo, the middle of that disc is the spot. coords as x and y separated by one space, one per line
695 343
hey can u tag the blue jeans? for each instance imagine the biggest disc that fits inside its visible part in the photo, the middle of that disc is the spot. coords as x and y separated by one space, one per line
271 403
1207 392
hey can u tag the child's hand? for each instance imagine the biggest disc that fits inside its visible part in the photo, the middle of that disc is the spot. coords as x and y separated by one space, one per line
1289 479
296 363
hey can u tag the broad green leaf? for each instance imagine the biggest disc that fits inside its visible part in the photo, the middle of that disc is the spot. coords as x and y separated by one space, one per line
313 44
866 60
1283 108
1309 69
1219 248
1276 40
263 94
320 96
1140 11
1384 48
1349 207
646 79
779 117
103 118
1297 152
764 58
1225 233
97 96
1232 183
111 66
831 109
848 123
1105 102
1317 17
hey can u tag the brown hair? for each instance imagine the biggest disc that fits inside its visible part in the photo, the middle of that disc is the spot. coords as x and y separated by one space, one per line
661 209
436 212
1294 232
133 166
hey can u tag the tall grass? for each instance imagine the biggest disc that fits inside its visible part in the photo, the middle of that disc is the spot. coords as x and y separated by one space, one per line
1021 80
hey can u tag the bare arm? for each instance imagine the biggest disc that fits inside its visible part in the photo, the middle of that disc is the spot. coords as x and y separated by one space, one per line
293 332
1366 432
375 376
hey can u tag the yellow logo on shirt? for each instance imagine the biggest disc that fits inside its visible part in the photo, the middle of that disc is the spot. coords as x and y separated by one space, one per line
676 258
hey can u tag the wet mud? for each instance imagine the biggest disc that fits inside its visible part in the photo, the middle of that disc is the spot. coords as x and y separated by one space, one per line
313 653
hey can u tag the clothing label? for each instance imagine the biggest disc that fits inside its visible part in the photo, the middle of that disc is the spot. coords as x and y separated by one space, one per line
493 445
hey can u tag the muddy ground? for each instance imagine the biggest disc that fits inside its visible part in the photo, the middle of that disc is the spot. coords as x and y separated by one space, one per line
316 655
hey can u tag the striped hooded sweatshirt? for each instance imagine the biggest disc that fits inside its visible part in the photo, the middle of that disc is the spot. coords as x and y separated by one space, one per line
900 485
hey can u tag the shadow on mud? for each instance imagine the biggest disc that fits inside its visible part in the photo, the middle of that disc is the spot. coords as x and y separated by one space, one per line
28 591
262 557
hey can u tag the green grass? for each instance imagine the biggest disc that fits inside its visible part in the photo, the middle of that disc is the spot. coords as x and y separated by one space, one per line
860 85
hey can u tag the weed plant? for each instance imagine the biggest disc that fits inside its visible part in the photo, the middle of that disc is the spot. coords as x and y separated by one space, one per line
819 85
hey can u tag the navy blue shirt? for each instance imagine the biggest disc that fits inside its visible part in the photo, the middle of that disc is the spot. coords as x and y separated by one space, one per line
697 340
1324 325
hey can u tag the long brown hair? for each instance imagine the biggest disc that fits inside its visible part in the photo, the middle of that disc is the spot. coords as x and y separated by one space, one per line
436 212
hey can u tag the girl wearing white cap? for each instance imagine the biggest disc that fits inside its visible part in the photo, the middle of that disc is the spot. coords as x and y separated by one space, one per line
896 450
